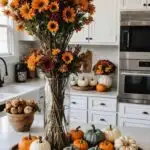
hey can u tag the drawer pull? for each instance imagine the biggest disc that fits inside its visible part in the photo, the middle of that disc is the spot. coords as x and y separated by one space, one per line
102 104
41 96
145 113
102 120
74 103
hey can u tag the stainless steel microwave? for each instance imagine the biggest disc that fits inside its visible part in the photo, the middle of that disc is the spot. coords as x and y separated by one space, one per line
135 39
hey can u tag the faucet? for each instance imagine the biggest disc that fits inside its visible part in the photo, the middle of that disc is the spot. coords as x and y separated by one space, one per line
6 72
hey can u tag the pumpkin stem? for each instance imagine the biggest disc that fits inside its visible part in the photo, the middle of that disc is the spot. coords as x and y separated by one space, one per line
93 126
40 139
110 127
30 138
96 148
78 128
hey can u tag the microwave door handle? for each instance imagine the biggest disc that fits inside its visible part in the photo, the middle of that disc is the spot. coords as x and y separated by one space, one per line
126 39
135 73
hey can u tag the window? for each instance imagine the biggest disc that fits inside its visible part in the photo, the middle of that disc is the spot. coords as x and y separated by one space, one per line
5 35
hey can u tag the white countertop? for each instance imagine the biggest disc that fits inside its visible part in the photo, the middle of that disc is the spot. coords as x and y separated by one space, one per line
9 137
37 84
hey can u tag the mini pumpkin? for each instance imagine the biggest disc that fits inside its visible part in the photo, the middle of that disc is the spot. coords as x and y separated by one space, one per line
125 142
101 88
111 134
106 145
76 134
40 144
83 82
26 141
28 110
94 136
80 144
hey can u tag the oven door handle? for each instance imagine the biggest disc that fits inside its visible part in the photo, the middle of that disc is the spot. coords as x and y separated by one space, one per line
135 73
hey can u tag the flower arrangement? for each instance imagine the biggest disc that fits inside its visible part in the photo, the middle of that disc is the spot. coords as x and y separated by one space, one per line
104 67
53 23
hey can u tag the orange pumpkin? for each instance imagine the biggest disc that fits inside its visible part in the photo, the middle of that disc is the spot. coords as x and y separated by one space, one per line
106 145
26 141
80 144
76 134
101 88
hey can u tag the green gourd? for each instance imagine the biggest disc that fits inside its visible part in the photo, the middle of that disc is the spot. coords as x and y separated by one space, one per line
94 136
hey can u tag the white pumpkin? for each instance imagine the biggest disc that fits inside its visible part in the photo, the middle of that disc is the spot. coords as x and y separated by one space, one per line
83 82
73 81
40 145
93 82
111 134
125 143
105 80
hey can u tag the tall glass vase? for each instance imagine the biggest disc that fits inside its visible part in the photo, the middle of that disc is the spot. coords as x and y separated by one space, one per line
55 121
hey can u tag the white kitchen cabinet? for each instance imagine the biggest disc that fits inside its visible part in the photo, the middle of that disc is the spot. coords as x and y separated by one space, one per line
134 115
128 122
105 28
103 31
80 37
23 36
134 4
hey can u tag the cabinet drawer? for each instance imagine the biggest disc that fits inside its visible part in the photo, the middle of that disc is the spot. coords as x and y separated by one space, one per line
78 102
97 117
103 104
78 116
128 122
134 111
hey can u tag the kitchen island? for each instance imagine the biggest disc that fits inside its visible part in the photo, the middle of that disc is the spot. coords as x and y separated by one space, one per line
8 137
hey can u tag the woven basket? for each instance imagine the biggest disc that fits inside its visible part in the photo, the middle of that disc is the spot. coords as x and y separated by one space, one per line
21 122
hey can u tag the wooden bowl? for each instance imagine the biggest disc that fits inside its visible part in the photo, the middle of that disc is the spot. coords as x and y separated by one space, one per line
86 88
21 122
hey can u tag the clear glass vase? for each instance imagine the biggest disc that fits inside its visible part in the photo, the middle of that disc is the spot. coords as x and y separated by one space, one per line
55 121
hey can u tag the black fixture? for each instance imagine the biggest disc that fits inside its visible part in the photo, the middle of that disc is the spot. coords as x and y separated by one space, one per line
6 72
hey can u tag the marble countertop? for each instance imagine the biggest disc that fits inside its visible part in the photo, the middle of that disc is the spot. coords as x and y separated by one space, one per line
6 92
8 137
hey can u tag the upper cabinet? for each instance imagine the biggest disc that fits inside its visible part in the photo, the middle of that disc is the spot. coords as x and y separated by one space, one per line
105 28
135 4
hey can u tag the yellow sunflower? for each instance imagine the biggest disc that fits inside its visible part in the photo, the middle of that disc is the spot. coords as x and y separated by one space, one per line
20 27
69 14
40 5
55 51
53 26
54 7
67 57
3 2
14 4
26 12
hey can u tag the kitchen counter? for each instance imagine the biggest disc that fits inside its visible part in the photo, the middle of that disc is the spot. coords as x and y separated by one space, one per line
9 137
17 89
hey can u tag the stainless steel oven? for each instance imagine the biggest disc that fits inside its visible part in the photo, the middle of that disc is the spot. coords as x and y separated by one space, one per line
134 81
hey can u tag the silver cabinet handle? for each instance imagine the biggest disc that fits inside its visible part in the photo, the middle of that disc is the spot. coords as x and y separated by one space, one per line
145 4
145 113
73 102
102 104
41 96
102 120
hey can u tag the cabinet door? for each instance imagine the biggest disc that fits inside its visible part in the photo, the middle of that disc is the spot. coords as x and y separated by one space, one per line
103 30
134 4
80 37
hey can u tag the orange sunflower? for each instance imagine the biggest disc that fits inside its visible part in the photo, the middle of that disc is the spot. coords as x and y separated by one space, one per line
14 4
20 27
7 12
84 4
63 68
40 5
69 14
67 57
53 26
3 2
26 12
91 9
55 51
54 7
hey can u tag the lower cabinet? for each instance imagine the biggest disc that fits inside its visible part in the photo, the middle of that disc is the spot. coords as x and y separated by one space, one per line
134 115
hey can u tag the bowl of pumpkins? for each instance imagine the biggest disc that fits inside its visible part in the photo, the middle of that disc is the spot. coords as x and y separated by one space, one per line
83 83
20 113
109 138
